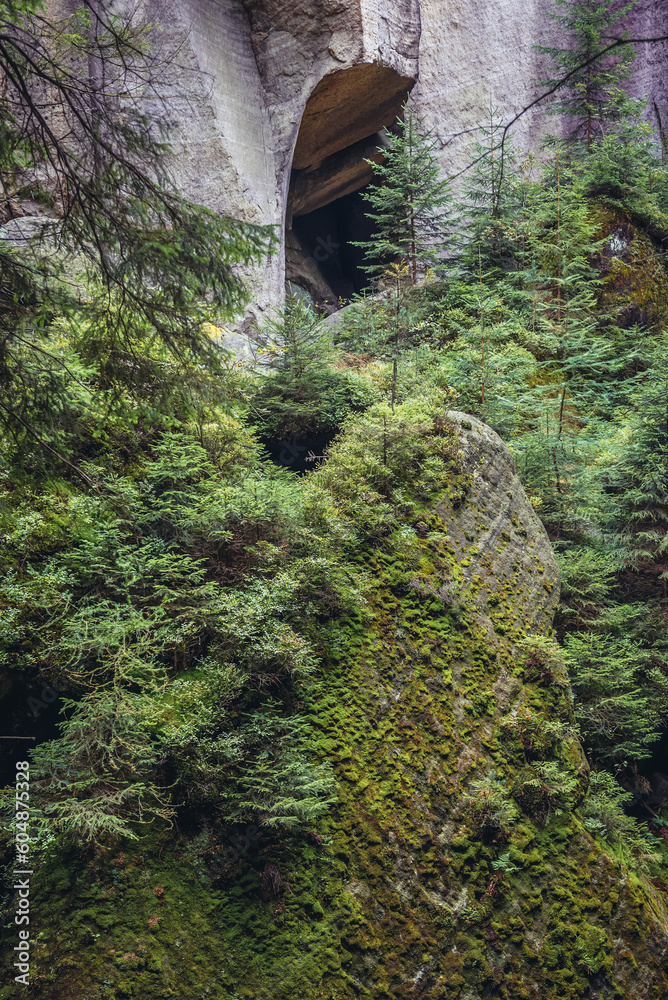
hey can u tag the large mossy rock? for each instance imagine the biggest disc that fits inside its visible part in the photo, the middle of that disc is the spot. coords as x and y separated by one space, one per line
450 865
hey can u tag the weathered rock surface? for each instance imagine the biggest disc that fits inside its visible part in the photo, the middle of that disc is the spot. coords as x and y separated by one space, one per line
336 117
271 85
301 271
405 896
512 547
339 175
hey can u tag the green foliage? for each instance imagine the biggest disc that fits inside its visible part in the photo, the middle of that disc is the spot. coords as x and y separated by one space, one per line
168 603
388 458
603 813
592 94
484 190
206 618
587 582
486 362
257 767
543 660
486 242
95 777
531 339
134 270
535 737
543 788
491 808
624 167
637 496
409 202
504 864
299 390
621 690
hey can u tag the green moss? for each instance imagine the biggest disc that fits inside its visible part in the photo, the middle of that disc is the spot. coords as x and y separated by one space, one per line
636 283
394 894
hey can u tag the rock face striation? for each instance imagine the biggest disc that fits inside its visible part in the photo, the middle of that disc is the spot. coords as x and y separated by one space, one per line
277 102
512 547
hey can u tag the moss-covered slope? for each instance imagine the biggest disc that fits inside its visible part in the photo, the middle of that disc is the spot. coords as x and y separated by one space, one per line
453 864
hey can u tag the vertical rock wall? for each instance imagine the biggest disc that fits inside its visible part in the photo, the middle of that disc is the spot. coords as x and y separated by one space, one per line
243 73
481 51
351 56
650 19
473 55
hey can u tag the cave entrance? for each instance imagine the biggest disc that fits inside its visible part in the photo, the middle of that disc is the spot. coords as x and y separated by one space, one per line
342 127
325 237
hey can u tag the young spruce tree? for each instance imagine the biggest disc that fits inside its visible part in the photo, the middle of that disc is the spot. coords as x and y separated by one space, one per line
409 202
299 391
591 95
410 209
487 202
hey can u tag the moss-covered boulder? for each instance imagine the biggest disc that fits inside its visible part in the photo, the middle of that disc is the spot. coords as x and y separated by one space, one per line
453 865
632 265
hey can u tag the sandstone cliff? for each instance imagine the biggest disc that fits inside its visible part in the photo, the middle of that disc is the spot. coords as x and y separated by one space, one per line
277 101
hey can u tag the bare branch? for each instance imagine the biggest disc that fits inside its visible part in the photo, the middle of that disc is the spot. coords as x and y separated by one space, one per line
548 93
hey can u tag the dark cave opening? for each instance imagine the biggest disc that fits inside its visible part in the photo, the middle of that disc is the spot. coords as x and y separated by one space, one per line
31 712
649 782
327 238
342 134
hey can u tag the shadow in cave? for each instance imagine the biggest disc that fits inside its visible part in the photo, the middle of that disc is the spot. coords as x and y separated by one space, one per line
327 237
31 713
649 783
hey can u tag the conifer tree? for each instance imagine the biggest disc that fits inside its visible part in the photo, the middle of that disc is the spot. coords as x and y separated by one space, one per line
580 368
484 189
487 202
626 165
636 512
590 97
622 695
138 268
408 201
299 391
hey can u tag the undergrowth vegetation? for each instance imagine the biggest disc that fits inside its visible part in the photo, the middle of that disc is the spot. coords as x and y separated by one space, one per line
171 583
235 646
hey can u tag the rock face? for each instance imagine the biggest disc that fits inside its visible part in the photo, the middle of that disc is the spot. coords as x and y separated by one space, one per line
339 175
512 547
647 20
273 96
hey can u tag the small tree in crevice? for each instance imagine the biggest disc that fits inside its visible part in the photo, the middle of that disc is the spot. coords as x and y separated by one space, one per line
299 392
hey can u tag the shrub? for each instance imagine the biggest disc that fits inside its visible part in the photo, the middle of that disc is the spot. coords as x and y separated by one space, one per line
544 788
491 809
605 818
